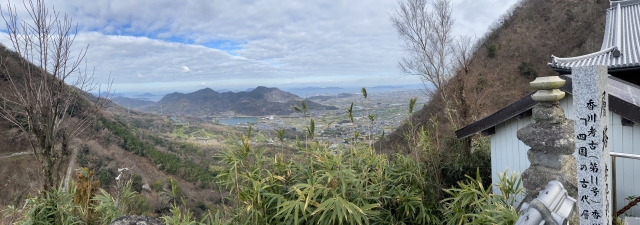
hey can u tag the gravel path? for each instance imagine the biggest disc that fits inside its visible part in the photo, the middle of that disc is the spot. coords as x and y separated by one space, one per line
15 155
72 162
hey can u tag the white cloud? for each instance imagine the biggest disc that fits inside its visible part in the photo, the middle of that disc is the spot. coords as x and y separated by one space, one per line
270 41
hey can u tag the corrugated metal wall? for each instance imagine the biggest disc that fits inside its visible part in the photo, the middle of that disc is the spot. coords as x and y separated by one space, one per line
507 152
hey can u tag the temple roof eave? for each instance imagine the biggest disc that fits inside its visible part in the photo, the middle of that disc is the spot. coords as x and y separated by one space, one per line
621 43
555 60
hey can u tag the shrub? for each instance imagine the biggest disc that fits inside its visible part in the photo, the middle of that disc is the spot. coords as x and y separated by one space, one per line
492 51
129 141
157 186
462 163
81 158
170 163
81 205
105 176
136 182
481 83
527 70
183 216
472 203
569 14
126 202
319 186
53 207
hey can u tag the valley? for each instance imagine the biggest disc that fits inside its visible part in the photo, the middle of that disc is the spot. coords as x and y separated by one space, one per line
334 127
186 149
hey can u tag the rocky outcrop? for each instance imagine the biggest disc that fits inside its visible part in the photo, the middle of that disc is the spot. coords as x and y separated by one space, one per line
136 220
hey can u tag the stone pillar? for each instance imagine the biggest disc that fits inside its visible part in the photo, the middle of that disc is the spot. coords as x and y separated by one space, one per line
552 142
590 103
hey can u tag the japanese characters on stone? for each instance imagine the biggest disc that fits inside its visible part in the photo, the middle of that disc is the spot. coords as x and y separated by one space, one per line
592 159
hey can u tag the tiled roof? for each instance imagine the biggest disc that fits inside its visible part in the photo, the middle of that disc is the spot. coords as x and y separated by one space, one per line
621 44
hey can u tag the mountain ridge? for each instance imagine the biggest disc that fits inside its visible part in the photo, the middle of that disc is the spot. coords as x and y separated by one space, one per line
206 102
130 102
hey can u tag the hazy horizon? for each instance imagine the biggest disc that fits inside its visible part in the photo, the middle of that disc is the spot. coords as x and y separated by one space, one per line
299 91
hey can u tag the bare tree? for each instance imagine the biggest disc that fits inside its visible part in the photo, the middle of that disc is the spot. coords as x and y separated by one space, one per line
45 85
462 52
428 40
436 55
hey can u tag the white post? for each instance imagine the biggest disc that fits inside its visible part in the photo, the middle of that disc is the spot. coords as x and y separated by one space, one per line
590 103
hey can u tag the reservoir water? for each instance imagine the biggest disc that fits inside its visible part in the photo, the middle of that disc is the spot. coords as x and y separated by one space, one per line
238 120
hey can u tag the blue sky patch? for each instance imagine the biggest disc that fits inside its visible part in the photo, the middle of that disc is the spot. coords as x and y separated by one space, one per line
178 40
228 46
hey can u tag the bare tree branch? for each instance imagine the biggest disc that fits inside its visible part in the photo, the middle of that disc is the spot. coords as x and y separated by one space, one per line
46 85
426 31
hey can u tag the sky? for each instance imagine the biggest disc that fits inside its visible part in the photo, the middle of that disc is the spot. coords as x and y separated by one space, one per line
186 45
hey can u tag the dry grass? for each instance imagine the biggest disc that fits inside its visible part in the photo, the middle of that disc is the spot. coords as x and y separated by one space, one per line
150 174
19 176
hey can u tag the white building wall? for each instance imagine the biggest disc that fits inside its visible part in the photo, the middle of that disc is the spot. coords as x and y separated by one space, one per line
509 153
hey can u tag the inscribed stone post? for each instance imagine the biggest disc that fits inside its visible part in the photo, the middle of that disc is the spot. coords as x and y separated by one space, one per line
590 103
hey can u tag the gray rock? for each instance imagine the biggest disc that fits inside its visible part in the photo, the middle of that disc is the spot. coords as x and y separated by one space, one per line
136 220
146 187
550 160
547 83
548 113
548 95
549 138
536 178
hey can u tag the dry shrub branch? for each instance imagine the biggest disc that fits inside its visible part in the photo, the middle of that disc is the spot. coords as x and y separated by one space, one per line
47 83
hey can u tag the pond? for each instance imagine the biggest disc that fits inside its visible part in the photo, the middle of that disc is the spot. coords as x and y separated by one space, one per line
238 120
